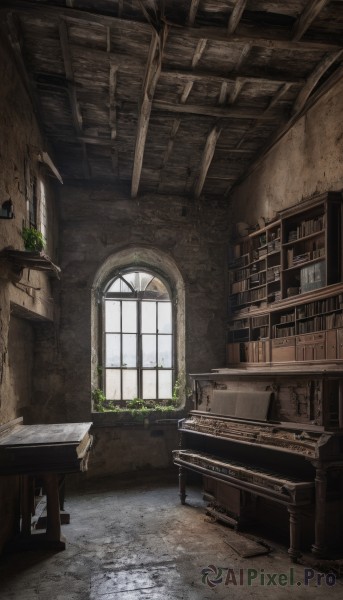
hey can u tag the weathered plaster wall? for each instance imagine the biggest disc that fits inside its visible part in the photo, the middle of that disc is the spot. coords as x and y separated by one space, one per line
95 224
307 161
20 141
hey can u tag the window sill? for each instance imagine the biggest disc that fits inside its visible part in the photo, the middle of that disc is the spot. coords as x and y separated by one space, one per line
123 419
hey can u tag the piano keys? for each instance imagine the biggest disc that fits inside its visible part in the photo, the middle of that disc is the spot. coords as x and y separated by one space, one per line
289 452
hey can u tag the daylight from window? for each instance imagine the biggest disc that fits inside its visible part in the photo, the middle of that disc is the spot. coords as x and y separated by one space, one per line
138 338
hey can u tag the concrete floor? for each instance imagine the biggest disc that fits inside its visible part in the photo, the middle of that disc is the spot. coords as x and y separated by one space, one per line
131 540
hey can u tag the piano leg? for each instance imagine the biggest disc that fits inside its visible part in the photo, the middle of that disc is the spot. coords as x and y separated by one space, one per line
182 485
294 537
318 547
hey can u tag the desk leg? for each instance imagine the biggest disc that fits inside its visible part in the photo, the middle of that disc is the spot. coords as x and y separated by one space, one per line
26 503
53 529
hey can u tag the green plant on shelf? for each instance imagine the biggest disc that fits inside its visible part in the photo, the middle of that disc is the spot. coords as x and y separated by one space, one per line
33 239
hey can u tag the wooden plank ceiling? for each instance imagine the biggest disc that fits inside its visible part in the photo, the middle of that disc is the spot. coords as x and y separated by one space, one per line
171 96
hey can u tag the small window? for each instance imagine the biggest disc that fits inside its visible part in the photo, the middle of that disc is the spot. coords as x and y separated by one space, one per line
32 204
43 217
138 344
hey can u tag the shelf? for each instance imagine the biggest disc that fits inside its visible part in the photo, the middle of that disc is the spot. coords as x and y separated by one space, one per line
36 261
304 264
304 238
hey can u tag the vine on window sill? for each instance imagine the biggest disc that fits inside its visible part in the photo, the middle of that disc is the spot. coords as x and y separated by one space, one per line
137 407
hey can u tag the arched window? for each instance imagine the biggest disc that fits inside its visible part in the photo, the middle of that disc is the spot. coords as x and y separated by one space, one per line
137 345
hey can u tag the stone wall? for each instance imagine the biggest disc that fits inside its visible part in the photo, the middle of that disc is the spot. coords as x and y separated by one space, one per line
308 160
98 222
25 301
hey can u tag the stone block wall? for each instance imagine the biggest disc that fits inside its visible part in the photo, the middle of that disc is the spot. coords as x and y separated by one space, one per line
27 301
96 223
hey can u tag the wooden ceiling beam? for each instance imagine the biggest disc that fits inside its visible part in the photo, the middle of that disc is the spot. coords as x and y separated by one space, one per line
199 51
206 160
175 128
236 15
112 101
16 42
74 105
305 20
237 88
278 96
214 111
68 67
192 12
223 93
261 36
313 80
217 79
152 73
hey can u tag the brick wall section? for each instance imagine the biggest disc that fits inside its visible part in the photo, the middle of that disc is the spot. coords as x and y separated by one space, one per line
96 223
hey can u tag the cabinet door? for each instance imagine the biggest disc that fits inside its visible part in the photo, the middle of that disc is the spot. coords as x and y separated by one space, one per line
319 351
331 344
340 344
233 353
299 352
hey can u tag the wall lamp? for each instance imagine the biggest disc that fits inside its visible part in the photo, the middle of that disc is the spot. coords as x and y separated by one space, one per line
6 211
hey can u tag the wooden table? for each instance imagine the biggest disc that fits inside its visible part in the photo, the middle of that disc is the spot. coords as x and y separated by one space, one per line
46 452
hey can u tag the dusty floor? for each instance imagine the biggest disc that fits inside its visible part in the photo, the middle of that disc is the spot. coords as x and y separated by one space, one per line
133 540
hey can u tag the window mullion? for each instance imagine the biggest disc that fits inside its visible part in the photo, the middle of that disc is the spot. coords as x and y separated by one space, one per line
139 350
121 350
157 371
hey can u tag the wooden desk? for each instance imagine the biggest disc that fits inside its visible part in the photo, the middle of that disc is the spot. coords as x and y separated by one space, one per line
45 452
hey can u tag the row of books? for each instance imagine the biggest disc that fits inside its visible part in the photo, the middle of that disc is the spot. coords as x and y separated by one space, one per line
246 297
320 307
287 317
306 228
280 332
273 273
321 322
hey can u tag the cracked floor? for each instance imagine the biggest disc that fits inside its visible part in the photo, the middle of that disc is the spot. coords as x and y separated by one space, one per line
130 540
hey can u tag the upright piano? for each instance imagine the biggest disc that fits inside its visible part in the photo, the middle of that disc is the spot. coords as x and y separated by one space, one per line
269 446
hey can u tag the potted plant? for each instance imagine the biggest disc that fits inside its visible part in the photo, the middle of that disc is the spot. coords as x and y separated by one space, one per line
33 239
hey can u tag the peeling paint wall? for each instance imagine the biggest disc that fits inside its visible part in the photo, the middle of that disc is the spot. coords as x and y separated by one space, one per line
308 160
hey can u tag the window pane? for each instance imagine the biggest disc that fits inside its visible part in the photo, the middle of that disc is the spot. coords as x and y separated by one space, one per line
165 388
113 350
113 384
129 317
148 317
164 351
149 350
129 350
112 315
149 385
164 317
119 286
129 384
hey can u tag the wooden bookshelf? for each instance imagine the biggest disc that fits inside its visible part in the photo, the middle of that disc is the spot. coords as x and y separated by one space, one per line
286 287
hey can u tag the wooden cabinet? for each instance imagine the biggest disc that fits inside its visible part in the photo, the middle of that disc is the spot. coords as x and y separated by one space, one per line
311 347
286 294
